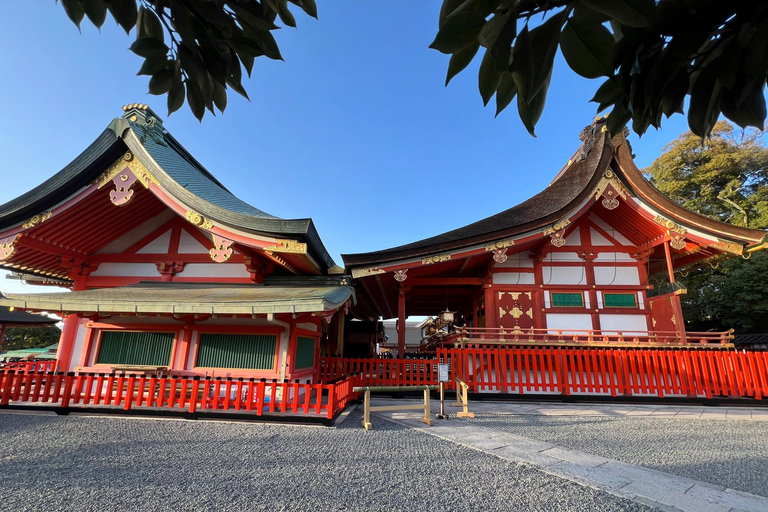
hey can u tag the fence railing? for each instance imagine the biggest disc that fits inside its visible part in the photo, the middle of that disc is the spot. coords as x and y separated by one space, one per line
29 366
381 372
190 394
612 371
483 336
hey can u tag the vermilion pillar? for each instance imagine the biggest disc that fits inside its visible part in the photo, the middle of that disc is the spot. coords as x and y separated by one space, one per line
67 343
401 323
676 304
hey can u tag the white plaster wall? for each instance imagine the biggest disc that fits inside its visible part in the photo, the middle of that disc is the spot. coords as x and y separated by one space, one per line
77 347
597 238
127 270
603 257
136 234
563 275
307 326
214 270
616 276
624 323
189 244
514 278
569 321
192 349
640 300
159 245
610 229
574 239
586 300
519 259
564 256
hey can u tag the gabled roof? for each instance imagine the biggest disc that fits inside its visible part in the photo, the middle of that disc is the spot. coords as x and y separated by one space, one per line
142 133
571 187
8 317
273 296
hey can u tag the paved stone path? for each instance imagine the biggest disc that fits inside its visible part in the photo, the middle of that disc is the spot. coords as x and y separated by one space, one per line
640 484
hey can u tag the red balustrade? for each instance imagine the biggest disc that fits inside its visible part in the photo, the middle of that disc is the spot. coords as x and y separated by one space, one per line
176 393
29 366
381 372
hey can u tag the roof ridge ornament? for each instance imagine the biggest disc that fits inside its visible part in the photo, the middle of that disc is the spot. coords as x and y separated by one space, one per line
589 136
145 120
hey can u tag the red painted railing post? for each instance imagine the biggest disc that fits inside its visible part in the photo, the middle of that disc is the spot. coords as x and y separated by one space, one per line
69 379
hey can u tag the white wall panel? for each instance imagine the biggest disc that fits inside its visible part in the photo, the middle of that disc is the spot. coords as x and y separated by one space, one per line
624 323
574 239
159 245
189 245
214 270
563 275
610 230
126 270
614 256
598 239
616 276
580 322
514 278
136 234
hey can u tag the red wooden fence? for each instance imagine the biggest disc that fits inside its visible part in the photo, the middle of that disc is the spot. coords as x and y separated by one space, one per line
29 366
176 393
574 371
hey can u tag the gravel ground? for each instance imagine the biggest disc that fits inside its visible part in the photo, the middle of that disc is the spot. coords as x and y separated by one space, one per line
732 453
88 463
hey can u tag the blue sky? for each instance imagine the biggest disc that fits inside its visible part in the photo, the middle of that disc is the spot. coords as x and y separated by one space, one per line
355 129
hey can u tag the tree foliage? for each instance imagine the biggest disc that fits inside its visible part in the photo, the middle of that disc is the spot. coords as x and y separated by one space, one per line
651 53
16 338
724 177
195 49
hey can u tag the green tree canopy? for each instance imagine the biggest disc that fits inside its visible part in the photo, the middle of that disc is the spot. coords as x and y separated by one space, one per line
724 177
652 54
16 338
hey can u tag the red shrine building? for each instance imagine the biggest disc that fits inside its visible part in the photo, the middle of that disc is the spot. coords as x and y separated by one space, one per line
592 259
168 270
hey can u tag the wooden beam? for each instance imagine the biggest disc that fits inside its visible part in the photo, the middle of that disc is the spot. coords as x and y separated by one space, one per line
401 323
384 296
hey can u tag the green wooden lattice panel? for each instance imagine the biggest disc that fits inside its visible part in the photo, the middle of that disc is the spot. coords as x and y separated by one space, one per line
244 351
142 348
305 352
567 300
619 300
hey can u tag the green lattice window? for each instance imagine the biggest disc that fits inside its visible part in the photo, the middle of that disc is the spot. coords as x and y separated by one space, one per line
305 352
567 300
619 300
140 348
244 351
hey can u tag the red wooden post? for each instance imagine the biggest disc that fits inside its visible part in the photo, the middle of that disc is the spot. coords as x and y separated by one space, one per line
194 394
401 322
260 393
69 378
129 392
331 400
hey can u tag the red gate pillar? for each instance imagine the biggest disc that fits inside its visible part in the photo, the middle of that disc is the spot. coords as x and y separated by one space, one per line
676 304
67 343
401 323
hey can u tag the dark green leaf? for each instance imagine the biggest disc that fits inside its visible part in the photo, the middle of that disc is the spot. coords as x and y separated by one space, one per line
448 8
458 32
751 111
705 102
544 42
193 65
506 92
161 82
461 60
195 100
310 7
124 12
220 96
493 28
286 17
74 11
530 111
618 119
96 10
268 44
152 66
674 92
587 48
607 94
149 48
632 13
149 25
175 97
488 78
523 69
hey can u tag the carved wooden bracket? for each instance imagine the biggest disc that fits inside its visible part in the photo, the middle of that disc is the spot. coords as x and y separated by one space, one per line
556 232
6 247
78 266
170 268
222 249
500 255
401 275
123 183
